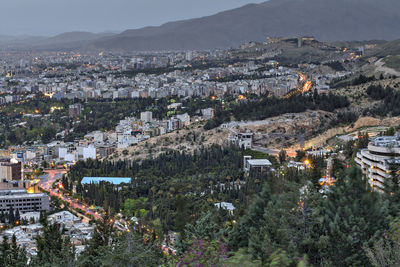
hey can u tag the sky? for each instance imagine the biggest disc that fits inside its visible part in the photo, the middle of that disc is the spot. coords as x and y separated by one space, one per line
51 17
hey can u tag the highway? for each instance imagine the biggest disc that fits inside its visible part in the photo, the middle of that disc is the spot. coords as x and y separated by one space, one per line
305 86
46 182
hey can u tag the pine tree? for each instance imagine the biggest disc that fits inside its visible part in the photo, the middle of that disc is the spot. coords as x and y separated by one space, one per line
17 256
11 216
239 236
49 245
102 236
392 188
346 221
5 250
17 215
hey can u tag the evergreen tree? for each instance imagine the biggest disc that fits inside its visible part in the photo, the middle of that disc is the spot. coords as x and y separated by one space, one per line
17 257
49 246
345 222
239 236
102 236
392 188
5 251
130 250
17 215
11 216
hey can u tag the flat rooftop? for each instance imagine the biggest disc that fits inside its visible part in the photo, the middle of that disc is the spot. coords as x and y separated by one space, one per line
259 162
386 141
112 180
26 195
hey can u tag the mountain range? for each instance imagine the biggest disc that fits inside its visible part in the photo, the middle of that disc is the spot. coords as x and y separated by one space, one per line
327 20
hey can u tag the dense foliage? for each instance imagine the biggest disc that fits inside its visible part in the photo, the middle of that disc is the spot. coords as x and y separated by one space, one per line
170 187
389 97
281 218
269 106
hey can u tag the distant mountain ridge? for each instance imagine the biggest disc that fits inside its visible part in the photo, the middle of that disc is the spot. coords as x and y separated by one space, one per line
67 40
327 20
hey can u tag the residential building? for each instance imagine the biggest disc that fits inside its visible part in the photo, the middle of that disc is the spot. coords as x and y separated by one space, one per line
75 110
208 113
242 140
376 160
146 116
255 164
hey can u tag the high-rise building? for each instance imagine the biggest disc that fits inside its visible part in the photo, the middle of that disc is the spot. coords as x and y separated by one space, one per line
189 56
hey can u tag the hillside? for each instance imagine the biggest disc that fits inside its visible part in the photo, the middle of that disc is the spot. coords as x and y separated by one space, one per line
324 19
67 40
390 48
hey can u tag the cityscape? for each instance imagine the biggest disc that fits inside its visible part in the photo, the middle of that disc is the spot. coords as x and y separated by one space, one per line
223 140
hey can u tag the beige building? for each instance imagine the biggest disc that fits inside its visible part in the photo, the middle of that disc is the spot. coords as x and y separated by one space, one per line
10 171
375 160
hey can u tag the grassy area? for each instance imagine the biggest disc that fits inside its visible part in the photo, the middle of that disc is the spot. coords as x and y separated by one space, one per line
392 62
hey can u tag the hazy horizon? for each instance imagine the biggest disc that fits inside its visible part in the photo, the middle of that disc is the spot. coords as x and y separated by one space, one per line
47 18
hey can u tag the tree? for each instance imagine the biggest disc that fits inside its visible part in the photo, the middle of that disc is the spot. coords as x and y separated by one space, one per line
49 245
130 250
204 253
385 251
17 215
205 228
11 216
17 256
44 164
282 156
48 134
300 155
239 236
102 236
182 213
345 222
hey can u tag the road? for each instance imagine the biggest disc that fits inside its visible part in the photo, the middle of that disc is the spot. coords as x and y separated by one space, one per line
46 182
305 86
274 152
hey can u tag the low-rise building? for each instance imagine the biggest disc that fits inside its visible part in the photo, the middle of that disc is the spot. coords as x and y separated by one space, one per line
258 164
20 200
10 170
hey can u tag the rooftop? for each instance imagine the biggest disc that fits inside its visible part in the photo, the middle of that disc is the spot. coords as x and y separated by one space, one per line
386 141
112 180
259 162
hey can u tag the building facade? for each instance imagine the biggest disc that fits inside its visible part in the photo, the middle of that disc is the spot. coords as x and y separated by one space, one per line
75 110
10 171
376 160
20 200
146 116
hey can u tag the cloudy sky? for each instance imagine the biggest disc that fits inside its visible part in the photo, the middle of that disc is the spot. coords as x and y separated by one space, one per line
50 17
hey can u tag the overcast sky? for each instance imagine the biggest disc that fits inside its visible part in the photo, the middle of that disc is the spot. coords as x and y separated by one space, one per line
50 17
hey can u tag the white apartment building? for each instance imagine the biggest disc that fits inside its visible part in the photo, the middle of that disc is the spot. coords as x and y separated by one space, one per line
376 159
146 116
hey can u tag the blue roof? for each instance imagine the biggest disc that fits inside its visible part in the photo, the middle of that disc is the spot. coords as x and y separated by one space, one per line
113 180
